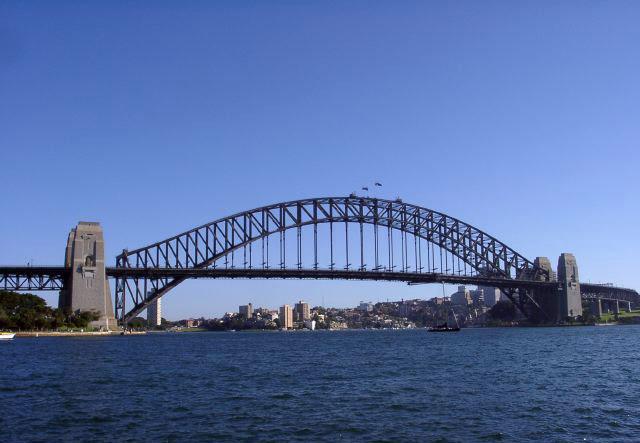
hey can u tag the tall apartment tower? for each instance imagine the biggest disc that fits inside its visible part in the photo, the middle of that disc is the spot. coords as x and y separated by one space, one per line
154 313
303 313
570 299
491 295
286 317
246 310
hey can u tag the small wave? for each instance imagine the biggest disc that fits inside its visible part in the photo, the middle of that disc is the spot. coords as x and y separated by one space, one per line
494 436
303 432
284 396
403 407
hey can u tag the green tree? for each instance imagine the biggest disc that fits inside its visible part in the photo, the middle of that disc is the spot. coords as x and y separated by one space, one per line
28 311
137 323
25 311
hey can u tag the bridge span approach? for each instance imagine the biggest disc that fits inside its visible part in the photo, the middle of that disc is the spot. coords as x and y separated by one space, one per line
349 238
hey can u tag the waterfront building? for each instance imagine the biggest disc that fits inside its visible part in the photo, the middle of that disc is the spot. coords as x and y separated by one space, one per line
154 313
462 297
246 311
262 312
477 296
303 312
405 308
491 295
365 306
286 317
439 300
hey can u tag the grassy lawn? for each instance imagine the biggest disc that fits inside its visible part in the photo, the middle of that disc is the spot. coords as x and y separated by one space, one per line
608 318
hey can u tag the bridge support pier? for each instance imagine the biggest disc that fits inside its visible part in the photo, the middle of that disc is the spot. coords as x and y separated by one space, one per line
616 306
546 298
87 288
628 303
596 307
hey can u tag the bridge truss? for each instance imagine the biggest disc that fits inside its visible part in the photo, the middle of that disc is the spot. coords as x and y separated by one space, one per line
328 235
33 278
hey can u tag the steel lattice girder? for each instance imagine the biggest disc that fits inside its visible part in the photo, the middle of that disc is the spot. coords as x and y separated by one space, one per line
202 246
41 278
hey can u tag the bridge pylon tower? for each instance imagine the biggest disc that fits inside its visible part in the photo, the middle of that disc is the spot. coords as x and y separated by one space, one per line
87 286
569 287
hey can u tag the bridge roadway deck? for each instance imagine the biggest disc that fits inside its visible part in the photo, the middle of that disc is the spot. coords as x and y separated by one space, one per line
322 274
38 273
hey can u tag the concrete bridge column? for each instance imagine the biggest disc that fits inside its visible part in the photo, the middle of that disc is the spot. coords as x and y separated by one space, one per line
88 287
628 303
616 306
596 307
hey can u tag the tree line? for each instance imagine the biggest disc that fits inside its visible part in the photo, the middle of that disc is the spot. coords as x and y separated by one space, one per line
30 312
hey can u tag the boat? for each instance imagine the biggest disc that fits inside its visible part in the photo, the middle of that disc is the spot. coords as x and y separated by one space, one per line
7 335
444 327
310 324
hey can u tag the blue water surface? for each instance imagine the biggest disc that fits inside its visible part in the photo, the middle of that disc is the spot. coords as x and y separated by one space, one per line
517 384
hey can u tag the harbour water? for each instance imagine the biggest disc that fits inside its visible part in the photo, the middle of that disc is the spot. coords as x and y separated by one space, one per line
538 384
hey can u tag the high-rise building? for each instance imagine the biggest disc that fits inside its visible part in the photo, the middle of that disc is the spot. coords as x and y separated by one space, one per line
477 296
154 313
286 317
365 306
462 297
303 312
246 311
405 309
491 295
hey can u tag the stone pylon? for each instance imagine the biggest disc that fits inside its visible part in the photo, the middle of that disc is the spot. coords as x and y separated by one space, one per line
88 287
570 298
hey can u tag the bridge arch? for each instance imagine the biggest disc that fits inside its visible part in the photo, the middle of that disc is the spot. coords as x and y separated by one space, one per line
205 245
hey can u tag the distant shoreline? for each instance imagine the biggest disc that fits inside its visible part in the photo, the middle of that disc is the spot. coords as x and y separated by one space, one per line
37 334
34 334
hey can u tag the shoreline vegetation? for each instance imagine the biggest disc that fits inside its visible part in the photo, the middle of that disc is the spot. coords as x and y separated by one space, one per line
29 316
28 312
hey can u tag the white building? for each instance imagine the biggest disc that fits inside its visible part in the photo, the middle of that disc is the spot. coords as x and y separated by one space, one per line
154 313
286 317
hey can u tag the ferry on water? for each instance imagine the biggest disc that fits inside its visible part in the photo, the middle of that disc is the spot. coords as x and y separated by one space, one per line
7 335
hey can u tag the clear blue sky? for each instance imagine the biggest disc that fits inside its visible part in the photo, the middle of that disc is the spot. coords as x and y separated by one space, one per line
522 118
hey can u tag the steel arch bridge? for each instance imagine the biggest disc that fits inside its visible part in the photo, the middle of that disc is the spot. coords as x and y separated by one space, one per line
385 240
